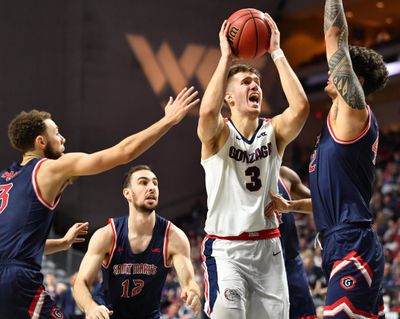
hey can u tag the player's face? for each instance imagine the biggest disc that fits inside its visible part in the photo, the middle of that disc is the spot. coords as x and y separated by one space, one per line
55 141
246 92
143 191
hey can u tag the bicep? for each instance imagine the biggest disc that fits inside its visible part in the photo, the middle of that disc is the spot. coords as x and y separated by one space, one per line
287 126
345 80
99 246
209 127
82 164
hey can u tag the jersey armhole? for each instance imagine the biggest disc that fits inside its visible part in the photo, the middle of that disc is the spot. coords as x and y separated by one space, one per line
165 249
353 140
106 263
37 189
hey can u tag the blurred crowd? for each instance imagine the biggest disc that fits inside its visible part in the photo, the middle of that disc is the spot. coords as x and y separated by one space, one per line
385 205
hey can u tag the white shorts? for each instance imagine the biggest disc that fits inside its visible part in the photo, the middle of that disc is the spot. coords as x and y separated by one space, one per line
246 274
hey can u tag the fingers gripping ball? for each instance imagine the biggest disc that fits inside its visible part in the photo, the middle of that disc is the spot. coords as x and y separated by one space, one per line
249 34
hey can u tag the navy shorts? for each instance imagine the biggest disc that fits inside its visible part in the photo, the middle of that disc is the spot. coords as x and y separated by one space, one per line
301 303
23 296
353 263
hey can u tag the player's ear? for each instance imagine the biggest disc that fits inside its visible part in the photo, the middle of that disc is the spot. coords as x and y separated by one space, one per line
41 141
127 194
229 98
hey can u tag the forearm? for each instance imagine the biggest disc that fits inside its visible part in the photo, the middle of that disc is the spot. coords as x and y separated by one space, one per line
134 145
300 205
83 297
338 55
55 245
292 87
214 95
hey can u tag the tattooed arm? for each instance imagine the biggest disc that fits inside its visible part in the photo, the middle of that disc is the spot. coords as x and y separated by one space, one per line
349 117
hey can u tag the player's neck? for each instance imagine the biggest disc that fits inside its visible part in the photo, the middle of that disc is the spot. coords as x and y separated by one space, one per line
141 223
29 156
245 125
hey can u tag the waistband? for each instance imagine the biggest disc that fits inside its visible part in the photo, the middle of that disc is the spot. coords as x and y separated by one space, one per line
349 225
19 263
254 235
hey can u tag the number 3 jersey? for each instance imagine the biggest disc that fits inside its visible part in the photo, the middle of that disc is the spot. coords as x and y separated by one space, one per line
25 217
238 181
132 283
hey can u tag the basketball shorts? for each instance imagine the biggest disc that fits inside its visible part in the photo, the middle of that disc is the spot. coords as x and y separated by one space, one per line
246 274
353 263
23 296
301 303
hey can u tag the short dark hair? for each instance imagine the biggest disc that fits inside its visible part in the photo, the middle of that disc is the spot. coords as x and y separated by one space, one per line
133 170
242 67
25 127
370 65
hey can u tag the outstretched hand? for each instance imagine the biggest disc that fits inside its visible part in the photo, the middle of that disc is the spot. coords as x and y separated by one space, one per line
177 109
275 41
226 49
73 235
192 299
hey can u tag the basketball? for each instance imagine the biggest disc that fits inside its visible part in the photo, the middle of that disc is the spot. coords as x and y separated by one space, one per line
248 34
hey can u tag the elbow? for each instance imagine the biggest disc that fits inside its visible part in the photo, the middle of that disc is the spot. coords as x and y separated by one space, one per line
303 107
206 111
332 34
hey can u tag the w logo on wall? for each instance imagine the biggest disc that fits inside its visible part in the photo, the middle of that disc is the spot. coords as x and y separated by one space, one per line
163 68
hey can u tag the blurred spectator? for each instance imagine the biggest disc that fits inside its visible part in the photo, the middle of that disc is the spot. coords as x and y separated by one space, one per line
67 303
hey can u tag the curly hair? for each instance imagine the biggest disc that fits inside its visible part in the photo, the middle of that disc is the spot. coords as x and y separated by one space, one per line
25 127
370 65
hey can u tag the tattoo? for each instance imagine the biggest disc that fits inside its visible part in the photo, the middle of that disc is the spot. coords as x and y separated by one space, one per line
345 80
335 18
343 76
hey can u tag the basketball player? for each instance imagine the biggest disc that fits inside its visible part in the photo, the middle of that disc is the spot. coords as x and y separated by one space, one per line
290 187
244 269
342 171
136 253
31 189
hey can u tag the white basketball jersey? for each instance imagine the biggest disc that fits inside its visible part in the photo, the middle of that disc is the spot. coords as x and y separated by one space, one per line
238 181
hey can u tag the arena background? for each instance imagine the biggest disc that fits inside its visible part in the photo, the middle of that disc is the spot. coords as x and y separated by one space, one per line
104 69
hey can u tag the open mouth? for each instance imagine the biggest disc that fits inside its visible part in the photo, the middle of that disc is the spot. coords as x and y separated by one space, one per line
254 97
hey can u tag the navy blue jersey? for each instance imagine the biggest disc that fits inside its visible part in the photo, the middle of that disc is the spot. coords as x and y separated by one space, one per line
132 282
341 176
25 218
289 239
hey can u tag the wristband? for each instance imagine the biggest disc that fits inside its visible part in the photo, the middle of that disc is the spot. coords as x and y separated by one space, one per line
278 53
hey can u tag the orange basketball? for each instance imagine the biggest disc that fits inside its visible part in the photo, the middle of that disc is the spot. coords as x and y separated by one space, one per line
249 34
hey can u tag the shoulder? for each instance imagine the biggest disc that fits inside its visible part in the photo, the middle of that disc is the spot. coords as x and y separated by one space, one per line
102 239
177 240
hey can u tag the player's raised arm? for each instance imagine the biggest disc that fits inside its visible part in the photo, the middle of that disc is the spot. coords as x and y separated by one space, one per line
131 147
351 115
288 124
211 122
53 174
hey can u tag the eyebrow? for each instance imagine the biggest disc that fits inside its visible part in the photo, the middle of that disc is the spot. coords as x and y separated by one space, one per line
254 78
146 178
